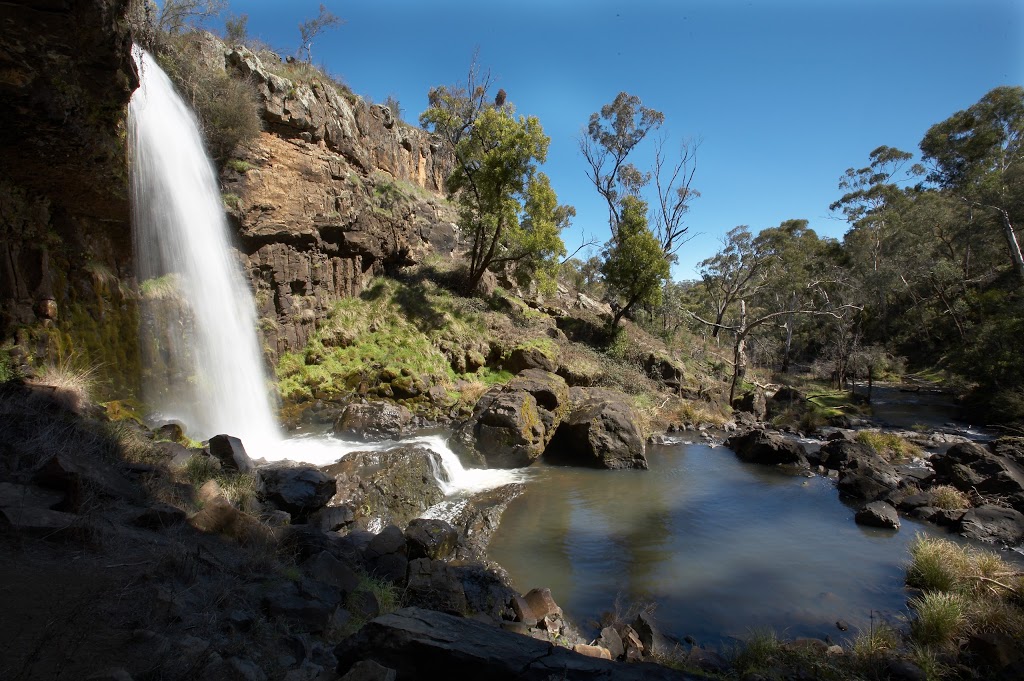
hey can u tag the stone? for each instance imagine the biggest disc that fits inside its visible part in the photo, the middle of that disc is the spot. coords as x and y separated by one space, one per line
522 610
653 640
969 466
231 454
325 568
417 643
14 496
333 518
387 487
368 670
435 585
78 477
592 651
523 358
600 431
760 446
611 640
37 521
878 514
304 612
430 538
374 421
541 603
297 488
753 402
990 523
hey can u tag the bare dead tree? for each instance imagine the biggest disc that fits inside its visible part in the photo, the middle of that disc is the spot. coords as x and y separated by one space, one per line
675 191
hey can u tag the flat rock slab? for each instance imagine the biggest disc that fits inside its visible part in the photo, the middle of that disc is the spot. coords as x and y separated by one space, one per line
417 643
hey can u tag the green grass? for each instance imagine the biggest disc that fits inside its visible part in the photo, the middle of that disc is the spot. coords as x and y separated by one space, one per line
167 287
239 165
239 488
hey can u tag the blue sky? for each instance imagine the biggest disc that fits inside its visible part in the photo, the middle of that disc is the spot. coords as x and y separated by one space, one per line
784 96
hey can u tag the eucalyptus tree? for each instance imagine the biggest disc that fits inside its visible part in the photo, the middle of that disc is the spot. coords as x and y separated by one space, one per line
507 207
978 155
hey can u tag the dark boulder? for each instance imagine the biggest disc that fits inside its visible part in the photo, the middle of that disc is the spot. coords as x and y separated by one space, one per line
374 421
299 489
512 424
760 446
601 431
430 538
878 514
435 585
523 358
417 643
753 402
786 399
389 487
231 453
863 474
969 466
993 524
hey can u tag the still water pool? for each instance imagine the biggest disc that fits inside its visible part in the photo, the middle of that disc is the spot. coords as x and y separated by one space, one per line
722 547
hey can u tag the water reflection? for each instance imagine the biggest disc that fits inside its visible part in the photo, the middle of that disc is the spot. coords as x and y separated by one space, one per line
721 546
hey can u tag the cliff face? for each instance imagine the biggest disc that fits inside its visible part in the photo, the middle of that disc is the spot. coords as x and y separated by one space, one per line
334 191
65 246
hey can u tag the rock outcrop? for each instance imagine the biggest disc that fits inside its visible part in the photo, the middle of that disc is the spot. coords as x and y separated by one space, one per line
600 431
761 446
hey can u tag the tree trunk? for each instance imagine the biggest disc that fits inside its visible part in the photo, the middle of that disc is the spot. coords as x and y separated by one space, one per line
1012 243
739 367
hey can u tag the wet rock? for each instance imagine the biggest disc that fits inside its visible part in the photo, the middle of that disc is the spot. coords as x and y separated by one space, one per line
431 538
374 421
760 446
878 514
389 487
297 488
600 431
993 524
231 453
417 643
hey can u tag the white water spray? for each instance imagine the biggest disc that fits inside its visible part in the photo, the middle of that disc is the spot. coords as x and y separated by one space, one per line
180 233
181 236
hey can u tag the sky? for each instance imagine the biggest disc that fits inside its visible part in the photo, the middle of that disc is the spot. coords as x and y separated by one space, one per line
782 97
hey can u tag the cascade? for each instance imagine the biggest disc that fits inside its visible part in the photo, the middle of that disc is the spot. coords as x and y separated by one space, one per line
199 318
211 368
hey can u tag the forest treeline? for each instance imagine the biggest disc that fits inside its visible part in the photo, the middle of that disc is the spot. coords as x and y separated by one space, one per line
929 274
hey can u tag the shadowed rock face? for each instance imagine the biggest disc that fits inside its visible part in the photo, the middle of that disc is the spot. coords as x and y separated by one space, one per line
417 643
65 238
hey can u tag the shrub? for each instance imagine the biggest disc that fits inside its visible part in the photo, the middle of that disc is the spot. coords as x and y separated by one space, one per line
227 107
937 565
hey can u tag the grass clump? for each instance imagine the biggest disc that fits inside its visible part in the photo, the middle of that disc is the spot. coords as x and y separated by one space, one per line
949 498
71 385
239 165
939 618
889 446
239 488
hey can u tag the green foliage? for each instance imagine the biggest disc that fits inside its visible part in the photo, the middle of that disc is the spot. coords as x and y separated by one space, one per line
635 267
239 166
939 618
226 107
176 15
8 369
506 206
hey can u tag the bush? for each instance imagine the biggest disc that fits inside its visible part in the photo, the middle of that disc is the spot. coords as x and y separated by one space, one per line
949 498
227 107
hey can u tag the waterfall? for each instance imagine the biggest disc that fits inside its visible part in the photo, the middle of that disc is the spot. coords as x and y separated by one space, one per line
203 351
203 360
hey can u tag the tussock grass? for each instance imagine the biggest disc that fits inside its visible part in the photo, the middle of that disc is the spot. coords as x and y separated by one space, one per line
939 617
241 489
889 446
70 385
949 498
881 639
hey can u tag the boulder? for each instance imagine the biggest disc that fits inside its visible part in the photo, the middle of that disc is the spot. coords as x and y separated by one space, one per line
753 402
327 569
601 431
863 474
305 613
785 399
664 370
512 424
969 466
299 489
993 524
417 643
523 358
430 538
878 514
386 557
374 421
541 603
761 446
231 454
78 478
368 670
387 487
435 585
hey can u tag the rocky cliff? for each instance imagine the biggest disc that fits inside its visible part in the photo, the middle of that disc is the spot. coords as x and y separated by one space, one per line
65 248
334 191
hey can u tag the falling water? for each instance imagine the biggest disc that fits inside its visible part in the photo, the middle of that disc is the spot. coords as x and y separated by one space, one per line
215 383
204 337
